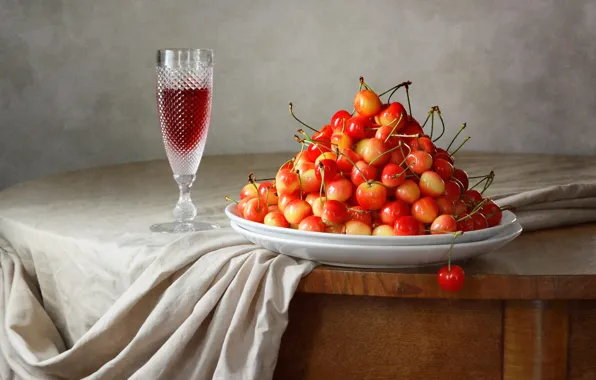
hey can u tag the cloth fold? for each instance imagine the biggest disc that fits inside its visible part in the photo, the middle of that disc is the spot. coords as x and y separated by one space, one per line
210 306
553 206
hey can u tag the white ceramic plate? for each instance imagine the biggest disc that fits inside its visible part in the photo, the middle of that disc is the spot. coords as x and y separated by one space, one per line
371 256
278 232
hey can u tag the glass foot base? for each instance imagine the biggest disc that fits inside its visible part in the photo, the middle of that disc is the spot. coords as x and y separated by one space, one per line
177 227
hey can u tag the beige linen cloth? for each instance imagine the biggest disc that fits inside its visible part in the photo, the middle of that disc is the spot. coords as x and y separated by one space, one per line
210 306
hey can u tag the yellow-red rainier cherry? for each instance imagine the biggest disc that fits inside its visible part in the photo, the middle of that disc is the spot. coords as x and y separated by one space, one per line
256 210
276 219
356 227
371 195
339 190
249 190
372 152
312 223
318 205
383 230
425 210
287 182
296 210
367 103
431 184
408 191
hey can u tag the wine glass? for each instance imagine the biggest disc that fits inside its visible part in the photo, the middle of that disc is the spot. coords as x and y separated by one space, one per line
184 86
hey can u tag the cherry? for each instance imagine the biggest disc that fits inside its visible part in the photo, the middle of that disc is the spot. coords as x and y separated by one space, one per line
340 189
339 118
341 140
411 128
367 103
358 213
425 210
445 206
242 204
273 208
424 144
479 221
256 210
309 181
268 191
373 152
311 197
391 211
363 172
318 205
444 156
356 127
371 195
391 115
360 145
443 224
406 226
431 184
287 182
443 168
276 219
465 224
336 229
419 161
451 278
296 210
356 227
452 190
408 191
460 208
472 196
462 176
383 230
284 199
327 131
346 160
492 212
393 175
335 212
384 134
315 149
249 190
397 156
325 156
312 223
329 169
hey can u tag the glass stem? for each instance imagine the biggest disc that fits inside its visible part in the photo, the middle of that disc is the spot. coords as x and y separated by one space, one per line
185 211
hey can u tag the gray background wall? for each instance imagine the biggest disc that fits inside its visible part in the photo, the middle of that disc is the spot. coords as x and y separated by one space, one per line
77 77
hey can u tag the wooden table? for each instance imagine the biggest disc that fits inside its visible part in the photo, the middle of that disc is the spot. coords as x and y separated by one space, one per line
527 311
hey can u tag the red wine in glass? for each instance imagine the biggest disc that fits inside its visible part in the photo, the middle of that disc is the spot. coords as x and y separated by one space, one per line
184 86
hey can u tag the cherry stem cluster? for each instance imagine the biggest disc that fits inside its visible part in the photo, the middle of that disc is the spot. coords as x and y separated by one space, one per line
385 152
460 145
474 211
457 134
363 84
489 178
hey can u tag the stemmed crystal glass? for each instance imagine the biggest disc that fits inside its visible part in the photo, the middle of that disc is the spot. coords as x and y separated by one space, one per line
184 86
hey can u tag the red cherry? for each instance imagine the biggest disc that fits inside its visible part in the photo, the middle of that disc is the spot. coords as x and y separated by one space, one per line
371 195
445 206
356 127
334 212
287 182
358 213
383 134
444 156
393 175
462 176
479 221
284 199
340 189
391 114
367 103
268 191
362 168
337 121
472 196
327 130
451 279
328 168
465 225
372 152
312 223
425 210
460 208
346 159
443 168
391 211
406 226
424 144
419 161
242 205
492 212
276 219
443 224
411 128
319 147
452 190
256 210
341 140
397 156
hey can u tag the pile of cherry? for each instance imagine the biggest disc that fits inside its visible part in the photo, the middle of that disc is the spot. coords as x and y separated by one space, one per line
375 171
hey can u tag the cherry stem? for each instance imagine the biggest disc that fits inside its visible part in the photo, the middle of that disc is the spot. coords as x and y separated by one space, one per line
408 97
385 152
363 83
300 181
432 124
395 126
460 145
299 156
455 235
407 136
298 120
442 123
353 164
403 155
395 88
488 182
322 169
484 178
458 132
474 211
230 199
430 112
